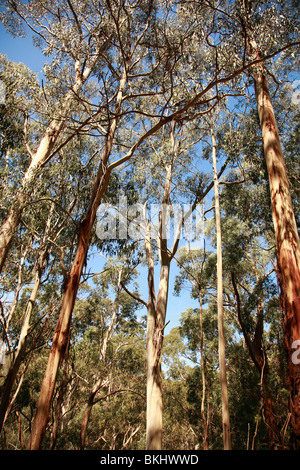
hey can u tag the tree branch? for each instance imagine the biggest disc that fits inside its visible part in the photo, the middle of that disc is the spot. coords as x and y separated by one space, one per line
135 297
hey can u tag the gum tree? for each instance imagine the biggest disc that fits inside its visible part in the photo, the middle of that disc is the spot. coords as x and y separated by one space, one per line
222 352
65 32
149 66
286 233
129 51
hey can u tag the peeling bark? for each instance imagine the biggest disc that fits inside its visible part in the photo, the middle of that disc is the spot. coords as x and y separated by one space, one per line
287 241
286 233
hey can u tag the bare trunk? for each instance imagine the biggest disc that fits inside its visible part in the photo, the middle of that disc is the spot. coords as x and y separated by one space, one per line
287 241
154 396
156 318
222 355
155 332
285 227
62 333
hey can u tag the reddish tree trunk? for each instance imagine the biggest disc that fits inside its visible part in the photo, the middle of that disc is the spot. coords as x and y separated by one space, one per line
62 332
286 232
287 241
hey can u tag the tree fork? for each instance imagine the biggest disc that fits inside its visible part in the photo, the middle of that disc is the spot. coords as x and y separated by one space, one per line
287 239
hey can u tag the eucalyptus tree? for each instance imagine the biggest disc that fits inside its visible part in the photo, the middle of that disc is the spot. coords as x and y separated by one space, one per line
249 259
255 342
18 355
83 43
222 352
129 50
21 97
254 31
75 42
143 56
107 337
192 267
46 257
256 25
50 222
174 170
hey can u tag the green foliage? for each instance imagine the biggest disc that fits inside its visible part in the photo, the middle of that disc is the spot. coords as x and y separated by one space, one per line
189 56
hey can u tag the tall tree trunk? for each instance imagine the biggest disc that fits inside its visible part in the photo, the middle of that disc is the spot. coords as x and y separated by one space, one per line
156 320
286 233
40 157
155 332
285 227
222 355
287 241
155 327
157 308
62 333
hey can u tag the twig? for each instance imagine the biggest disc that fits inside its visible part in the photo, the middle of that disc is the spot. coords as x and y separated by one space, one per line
133 295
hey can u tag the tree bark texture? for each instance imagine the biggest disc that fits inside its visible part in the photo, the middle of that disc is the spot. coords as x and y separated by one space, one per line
287 241
155 332
285 227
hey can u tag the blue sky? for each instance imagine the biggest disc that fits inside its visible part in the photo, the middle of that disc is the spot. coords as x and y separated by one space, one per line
20 49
